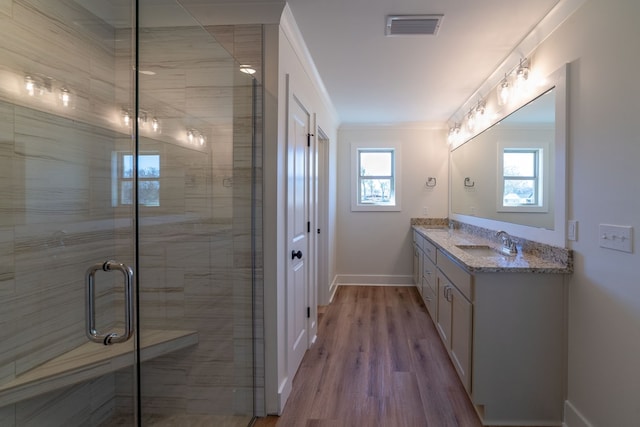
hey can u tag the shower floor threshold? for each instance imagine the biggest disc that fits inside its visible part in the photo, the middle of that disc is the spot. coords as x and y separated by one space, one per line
92 360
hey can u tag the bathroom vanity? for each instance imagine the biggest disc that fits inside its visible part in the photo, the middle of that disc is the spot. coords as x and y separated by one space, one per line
502 320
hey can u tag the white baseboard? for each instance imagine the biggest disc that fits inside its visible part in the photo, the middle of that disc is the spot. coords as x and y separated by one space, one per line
283 394
573 417
374 280
333 288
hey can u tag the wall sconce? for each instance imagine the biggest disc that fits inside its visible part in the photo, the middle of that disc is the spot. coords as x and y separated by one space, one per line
36 86
194 136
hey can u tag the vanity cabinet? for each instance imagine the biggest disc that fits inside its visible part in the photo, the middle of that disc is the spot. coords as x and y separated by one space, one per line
505 333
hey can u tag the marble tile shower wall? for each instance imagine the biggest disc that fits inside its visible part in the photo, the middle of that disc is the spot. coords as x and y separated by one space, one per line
57 215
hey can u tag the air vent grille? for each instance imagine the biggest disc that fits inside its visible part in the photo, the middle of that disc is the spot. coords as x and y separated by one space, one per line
413 25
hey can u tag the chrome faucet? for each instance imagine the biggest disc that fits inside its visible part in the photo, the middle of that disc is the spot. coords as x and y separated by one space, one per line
508 245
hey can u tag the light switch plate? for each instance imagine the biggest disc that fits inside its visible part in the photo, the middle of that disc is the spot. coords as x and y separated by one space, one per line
617 237
572 230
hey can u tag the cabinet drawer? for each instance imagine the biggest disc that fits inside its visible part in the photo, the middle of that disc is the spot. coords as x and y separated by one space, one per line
429 273
429 250
418 239
458 277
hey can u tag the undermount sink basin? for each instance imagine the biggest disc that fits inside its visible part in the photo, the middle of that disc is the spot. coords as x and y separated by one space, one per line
479 250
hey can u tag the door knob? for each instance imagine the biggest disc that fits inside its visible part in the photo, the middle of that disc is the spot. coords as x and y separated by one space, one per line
295 254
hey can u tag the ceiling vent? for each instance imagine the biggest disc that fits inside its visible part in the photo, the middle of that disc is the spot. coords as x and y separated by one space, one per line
413 25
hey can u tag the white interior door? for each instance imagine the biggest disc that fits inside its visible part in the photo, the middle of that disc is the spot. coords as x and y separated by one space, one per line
297 234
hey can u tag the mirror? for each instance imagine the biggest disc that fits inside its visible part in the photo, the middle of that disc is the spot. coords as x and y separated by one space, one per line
527 196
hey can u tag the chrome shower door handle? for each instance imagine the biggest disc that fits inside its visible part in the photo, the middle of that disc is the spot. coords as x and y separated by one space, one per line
90 303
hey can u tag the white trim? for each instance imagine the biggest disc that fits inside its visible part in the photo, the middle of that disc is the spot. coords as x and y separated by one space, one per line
401 125
333 288
375 280
283 394
573 417
292 33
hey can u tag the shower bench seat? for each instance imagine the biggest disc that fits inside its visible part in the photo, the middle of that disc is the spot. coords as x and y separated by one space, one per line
92 360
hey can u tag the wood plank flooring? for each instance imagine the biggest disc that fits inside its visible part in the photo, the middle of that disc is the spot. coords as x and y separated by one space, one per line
378 361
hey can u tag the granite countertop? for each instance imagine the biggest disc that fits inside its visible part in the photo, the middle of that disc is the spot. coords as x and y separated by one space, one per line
536 261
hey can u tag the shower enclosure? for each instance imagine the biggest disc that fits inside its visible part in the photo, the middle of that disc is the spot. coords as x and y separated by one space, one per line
130 200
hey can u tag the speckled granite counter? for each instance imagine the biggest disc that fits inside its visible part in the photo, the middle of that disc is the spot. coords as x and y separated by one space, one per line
535 258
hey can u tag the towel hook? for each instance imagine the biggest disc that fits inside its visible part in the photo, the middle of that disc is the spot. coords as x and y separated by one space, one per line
468 183
431 182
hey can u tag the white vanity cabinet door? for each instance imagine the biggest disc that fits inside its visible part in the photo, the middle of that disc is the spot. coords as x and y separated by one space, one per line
455 326
444 310
461 327
416 266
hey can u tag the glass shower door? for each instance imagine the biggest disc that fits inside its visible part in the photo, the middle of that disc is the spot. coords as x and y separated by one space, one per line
67 224
196 148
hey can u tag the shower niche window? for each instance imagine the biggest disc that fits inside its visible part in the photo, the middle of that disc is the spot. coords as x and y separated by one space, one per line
148 179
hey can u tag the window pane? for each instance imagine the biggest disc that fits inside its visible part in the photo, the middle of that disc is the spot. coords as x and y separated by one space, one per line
519 163
127 166
126 193
519 192
149 165
375 164
375 191
149 193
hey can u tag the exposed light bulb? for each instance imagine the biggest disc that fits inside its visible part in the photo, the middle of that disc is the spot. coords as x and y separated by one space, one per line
30 85
471 121
522 74
504 91
65 96
155 124
190 135
126 117
201 139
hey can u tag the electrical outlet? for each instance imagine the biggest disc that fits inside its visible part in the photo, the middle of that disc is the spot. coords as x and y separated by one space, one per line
572 230
424 210
618 237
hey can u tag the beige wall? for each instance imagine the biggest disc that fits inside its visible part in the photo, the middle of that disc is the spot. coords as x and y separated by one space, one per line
604 297
375 247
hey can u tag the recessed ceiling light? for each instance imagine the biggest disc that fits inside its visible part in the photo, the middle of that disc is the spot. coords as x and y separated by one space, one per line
247 69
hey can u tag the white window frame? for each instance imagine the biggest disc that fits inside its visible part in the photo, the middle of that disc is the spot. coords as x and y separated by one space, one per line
395 205
542 177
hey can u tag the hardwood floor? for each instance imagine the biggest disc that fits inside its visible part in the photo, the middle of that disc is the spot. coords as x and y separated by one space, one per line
378 361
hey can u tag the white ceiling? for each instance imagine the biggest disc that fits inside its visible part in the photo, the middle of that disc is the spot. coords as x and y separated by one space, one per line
376 79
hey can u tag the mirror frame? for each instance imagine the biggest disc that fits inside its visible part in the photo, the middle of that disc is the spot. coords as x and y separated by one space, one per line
557 236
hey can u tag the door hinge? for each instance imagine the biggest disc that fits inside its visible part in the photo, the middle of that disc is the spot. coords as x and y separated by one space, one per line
309 135
308 312
308 226
318 231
